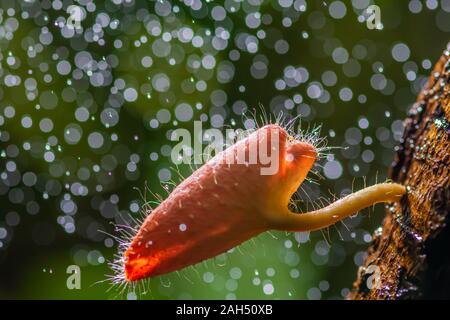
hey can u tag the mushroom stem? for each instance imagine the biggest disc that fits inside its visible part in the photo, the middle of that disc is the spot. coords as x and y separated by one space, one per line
342 208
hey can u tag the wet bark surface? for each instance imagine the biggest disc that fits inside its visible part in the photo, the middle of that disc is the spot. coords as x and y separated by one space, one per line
409 257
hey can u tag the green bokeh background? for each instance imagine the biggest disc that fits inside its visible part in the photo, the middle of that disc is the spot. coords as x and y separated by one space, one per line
29 270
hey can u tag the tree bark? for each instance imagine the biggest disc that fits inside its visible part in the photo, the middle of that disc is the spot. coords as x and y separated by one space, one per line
409 257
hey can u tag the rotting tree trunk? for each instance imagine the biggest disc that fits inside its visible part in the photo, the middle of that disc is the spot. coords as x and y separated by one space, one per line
412 250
